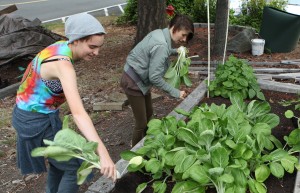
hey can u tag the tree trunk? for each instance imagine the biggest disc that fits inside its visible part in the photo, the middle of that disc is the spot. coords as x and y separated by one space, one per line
220 27
151 16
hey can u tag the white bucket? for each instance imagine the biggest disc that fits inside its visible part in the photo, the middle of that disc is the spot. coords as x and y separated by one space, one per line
257 46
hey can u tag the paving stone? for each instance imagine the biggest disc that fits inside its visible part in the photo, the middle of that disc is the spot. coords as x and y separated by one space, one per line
108 106
117 97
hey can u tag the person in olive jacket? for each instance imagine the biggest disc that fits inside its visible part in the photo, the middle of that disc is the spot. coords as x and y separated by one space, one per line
145 67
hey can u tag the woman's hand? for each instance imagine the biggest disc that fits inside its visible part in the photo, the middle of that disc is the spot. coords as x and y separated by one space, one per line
108 168
182 94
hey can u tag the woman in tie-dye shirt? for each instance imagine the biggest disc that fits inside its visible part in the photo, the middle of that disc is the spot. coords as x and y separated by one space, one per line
49 81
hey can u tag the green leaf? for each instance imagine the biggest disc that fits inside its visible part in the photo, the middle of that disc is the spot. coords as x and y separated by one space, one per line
260 187
153 165
251 93
187 136
185 164
227 178
294 137
187 81
228 84
262 172
199 174
65 122
174 81
154 127
56 152
217 171
144 150
171 72
183 71
141 187
288 163
237 99
182 112
82 173
261 96
159 187
277 169
257 109
188 186
154 123
271 119
220 157
239 177
127 154
69 139
230 143
289 114
210 115
136 161
242 81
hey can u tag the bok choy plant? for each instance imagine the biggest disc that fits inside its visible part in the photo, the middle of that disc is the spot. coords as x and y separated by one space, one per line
178 70
231 148
68 144
236 75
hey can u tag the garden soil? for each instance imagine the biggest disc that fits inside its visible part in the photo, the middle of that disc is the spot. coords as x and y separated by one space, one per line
97 80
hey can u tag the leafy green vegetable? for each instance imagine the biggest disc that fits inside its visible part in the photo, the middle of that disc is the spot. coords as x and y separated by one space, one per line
178 71
68 144
235 75
218 145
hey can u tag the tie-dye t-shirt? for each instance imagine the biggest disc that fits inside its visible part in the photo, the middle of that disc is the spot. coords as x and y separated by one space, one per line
33 95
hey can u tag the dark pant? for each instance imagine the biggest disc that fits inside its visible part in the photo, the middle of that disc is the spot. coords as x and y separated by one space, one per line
32 128
62 177
142 110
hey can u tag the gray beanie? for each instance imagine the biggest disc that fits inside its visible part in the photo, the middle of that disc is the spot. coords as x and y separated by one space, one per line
81 25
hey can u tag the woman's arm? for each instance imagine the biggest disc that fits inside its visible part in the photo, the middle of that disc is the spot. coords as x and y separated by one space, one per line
65 72
159 55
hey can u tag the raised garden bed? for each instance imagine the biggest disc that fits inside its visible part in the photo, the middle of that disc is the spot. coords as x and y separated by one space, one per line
130 181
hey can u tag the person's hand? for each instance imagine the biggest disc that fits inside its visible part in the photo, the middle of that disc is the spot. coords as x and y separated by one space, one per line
182 94
108 168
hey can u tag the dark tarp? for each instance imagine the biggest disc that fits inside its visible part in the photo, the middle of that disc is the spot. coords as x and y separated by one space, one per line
20 37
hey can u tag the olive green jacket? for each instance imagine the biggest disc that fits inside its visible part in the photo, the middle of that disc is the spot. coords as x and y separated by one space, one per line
148 62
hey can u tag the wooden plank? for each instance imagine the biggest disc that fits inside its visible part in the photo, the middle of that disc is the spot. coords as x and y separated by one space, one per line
250 63
257 70
8 9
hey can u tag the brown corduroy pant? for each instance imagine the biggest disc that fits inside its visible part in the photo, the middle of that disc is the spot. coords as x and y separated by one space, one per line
142 110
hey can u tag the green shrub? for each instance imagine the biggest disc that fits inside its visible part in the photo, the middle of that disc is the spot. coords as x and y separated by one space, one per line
199 11
182 6
252 12
130 13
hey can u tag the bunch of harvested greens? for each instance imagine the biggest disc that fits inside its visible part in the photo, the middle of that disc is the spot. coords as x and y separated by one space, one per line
178 70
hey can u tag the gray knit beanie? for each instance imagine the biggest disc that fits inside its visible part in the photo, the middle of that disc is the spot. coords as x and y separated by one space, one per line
81 25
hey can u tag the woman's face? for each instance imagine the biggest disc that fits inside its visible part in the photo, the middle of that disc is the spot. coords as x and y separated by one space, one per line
179 36
88 48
